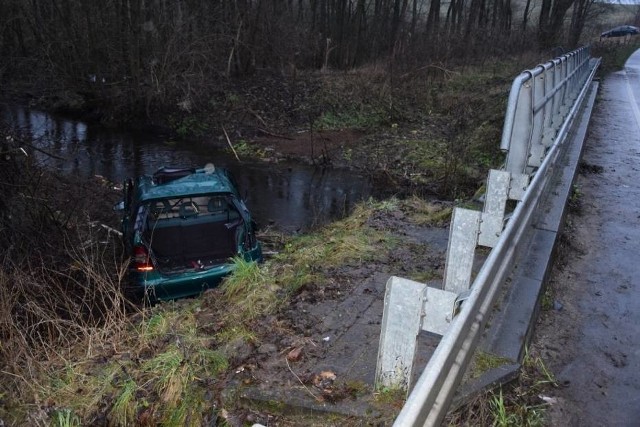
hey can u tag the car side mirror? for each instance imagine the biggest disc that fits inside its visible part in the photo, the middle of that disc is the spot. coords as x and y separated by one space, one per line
119 207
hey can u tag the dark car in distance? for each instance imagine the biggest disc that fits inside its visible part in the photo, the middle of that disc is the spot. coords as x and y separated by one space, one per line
182 227
620 31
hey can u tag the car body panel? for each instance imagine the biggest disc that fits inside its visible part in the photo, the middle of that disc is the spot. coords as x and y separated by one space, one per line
182 229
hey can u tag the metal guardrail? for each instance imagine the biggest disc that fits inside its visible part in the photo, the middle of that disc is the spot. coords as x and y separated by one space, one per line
539 104
542 105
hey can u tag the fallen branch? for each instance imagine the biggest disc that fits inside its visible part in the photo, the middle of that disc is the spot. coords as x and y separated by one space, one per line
445 72
54 156
111 230
257 116
303 384
229 142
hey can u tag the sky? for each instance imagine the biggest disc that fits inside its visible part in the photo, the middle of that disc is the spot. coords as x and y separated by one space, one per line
619 1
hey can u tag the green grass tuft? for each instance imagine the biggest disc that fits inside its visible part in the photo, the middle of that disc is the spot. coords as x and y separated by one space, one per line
484 362
123 411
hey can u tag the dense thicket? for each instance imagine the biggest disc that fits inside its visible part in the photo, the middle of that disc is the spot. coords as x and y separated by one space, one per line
60 270
148 53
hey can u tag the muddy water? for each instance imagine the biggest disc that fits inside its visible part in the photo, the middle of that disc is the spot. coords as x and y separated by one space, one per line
290 196
593 342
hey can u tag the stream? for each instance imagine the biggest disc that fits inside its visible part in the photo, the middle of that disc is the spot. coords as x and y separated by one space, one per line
288 195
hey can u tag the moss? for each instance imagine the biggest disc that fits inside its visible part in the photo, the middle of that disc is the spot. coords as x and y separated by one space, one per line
484 362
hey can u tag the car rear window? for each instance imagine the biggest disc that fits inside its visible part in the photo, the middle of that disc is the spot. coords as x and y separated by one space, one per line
191 207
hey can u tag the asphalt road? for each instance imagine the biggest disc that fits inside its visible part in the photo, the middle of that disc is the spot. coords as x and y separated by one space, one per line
591 341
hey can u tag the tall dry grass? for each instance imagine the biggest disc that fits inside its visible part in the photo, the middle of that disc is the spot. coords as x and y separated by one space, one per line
60 273
49 314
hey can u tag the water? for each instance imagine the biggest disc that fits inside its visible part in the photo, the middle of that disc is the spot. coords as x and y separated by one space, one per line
291 196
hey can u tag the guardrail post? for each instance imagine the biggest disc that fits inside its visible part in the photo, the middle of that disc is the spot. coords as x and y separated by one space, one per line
401 320
411 306
463 238
407 303
536 147
550 120
563 92
494 205
518 148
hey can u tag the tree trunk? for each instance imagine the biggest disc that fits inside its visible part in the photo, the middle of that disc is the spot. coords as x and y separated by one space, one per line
525 16
581 10
433 18
552 15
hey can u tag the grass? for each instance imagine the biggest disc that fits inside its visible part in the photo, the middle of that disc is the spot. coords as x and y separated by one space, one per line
169 374
484 362
78 386
547 300
251 289
576 200
393 397
350 240
429 214
537 371
258 290
236 333
155 326
244 148
350 119
65 418
163 377
505 414
124 409
501 415
518 403
188 125
614 55
443 135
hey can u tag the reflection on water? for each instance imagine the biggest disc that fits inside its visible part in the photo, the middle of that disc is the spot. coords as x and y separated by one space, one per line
292 196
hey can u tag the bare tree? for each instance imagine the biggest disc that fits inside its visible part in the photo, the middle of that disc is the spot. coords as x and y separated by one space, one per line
141 55
582 10
551 20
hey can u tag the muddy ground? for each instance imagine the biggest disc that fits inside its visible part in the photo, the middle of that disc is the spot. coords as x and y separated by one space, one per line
314 361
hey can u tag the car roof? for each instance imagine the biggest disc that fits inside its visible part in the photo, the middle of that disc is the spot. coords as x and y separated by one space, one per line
195 182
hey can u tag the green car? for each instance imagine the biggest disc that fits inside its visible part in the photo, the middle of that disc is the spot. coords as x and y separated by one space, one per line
182 227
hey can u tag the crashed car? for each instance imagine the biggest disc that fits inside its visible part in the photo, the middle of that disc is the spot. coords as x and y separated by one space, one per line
182 227
620 31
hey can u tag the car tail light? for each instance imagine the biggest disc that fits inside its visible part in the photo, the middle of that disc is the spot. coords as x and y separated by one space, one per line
141 259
